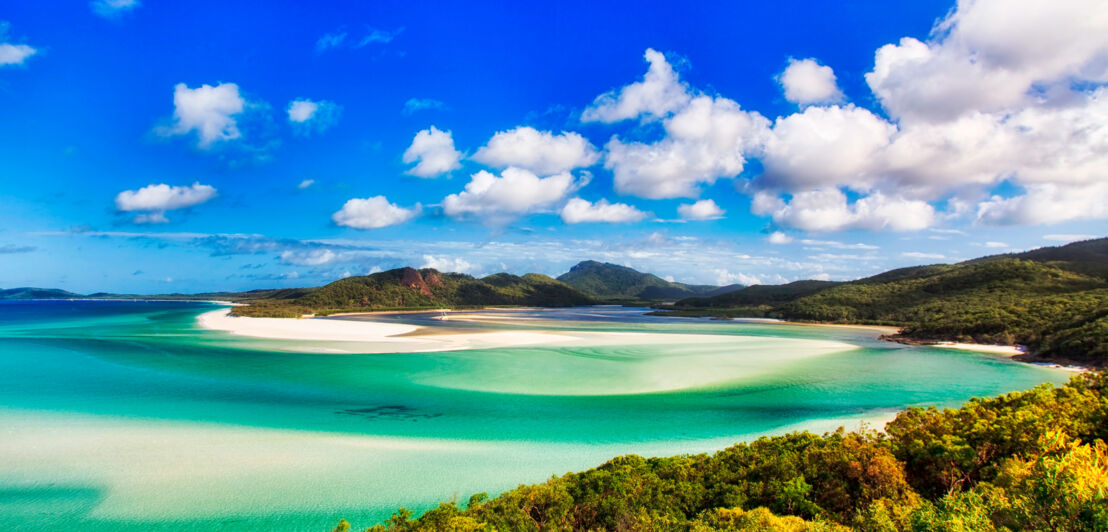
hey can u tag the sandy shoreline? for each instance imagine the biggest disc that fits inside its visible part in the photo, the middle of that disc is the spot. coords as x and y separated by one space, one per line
369 336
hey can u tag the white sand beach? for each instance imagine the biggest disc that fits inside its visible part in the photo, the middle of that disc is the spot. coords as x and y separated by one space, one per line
365 336
1006 350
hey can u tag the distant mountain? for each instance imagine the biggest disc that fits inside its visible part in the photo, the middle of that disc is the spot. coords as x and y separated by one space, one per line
757 295
37 293
612 281
409 288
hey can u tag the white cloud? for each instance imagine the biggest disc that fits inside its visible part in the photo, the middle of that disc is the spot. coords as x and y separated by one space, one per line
515 192
777 237
659 93
836 244
447 265
706 140
578 210
992 55
421 104
1046 204
12 54
724 277
995 245
156 199
1069 237
309 116
807 82
308 257
207 110
919 255
825 146
829 210
433 152
305 184
113 8
541 152
704 209
338 39
372 213
330 40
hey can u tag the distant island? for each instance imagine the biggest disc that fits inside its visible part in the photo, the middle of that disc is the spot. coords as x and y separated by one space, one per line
1052 300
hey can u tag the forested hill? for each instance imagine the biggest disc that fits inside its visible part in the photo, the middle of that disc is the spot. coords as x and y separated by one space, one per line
409 288
1055 306
612 281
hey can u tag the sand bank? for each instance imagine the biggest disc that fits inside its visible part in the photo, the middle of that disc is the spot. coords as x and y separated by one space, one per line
360 336
1006 350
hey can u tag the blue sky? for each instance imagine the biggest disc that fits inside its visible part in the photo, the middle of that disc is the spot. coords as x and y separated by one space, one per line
153 147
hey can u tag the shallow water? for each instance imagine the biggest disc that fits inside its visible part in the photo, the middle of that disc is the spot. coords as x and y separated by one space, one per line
126 416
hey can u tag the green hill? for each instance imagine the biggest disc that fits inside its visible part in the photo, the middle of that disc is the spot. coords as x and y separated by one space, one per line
37 293
408 288
612 281
1050 306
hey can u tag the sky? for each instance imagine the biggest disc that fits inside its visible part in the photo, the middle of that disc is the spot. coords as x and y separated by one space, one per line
153 147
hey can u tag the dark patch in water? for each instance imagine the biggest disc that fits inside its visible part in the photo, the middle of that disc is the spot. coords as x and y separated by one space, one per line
399 412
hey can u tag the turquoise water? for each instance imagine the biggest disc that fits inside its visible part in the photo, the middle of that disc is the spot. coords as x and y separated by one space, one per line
126 416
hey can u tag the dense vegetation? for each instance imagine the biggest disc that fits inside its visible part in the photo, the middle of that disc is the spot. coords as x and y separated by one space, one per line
408 288
1058 308
611 281
1034 460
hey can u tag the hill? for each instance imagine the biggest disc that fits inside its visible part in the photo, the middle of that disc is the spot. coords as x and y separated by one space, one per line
612 281
37 293
1089 257
409 288
1060 313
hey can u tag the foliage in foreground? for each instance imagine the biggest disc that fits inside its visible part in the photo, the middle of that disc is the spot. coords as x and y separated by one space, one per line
1032 460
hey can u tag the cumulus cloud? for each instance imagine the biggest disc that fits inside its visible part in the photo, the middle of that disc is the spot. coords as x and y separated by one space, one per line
305 184
659 93
1002 92
830 210
373 213
823 146
446 264
113 8
541 152
515 192
433 152
578 211
308 116
777 237
705 141
157 199
12 54
807 82
704 209
414 105
992 55
208 111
